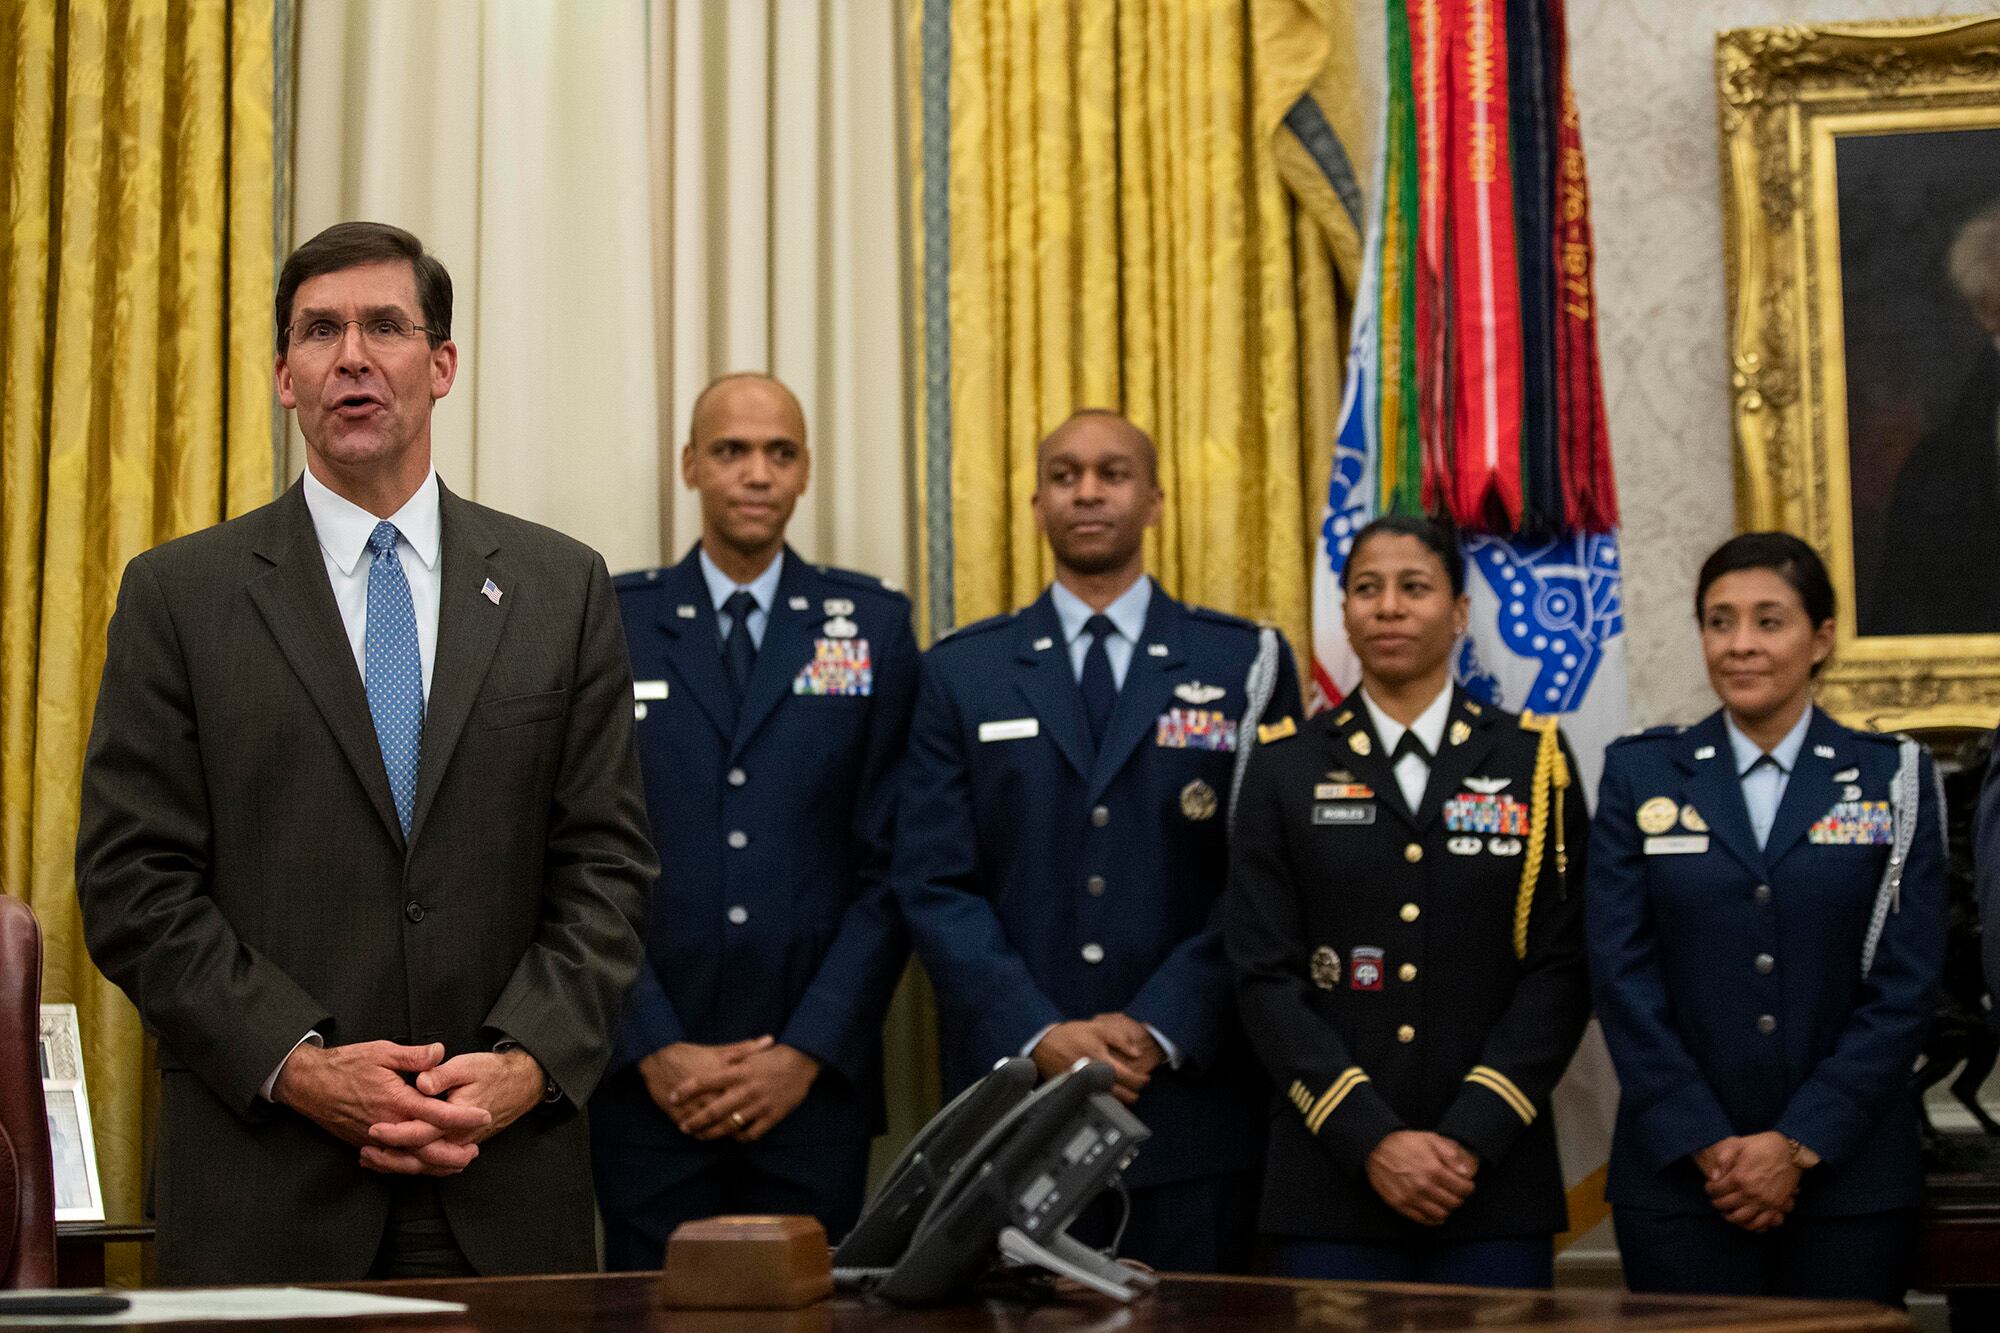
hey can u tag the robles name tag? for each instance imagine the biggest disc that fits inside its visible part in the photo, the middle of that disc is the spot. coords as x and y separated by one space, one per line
1012 729
1685 844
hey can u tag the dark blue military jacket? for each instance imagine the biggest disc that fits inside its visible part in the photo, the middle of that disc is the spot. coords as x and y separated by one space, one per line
773 912
1728 980
1044 882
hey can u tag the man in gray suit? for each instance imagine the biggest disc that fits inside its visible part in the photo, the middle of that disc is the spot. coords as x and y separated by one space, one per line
363 835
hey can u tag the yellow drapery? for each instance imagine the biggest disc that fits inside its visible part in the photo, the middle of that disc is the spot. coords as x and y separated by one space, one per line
1117 230
136 267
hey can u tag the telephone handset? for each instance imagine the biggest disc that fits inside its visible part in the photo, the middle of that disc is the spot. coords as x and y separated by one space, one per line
1014 1192
882 1235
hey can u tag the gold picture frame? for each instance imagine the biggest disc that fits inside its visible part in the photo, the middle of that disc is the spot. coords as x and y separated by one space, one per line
1801 105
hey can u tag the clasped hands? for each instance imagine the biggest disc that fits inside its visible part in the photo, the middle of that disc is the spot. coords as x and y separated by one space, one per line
740 1090
1422 1175
1124 1043
431 1126
1751 1179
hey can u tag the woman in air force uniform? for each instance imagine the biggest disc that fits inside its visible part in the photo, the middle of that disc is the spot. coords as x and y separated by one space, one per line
1766 920
1405 921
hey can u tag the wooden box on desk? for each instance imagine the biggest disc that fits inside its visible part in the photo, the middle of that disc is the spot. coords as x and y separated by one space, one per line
747 1263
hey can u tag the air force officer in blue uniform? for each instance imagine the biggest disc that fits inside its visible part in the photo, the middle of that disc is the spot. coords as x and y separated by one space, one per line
773 699
1762 1009
1062 842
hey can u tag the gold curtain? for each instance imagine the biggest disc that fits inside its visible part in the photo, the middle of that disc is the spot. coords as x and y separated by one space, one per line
136 266
1114 228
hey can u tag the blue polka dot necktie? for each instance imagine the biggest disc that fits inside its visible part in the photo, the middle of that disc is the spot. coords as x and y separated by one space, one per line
1100 688
395 674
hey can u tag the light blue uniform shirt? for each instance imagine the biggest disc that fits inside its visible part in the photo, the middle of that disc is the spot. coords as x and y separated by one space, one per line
1764 783
764 588
1128 619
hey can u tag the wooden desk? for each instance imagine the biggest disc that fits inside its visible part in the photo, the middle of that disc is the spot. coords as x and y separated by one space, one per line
630 1302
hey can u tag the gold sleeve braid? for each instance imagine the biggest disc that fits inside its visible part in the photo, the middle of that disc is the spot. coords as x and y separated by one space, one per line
1550 781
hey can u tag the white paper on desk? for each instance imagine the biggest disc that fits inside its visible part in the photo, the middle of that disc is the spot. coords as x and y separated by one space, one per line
231 1303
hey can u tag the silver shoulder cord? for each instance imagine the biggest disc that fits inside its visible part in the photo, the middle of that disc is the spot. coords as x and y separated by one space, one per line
1258 687
1903 800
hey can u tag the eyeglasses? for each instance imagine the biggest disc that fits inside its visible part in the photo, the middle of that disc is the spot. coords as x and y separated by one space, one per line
377 331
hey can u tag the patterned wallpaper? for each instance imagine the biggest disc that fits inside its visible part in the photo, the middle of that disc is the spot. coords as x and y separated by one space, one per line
1644 71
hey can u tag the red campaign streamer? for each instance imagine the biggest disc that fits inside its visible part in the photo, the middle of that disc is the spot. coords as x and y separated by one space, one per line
1590 496
1485 286
1428 46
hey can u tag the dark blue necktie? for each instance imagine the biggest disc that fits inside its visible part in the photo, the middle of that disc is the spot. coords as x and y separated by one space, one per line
395 669
739 650
1100 691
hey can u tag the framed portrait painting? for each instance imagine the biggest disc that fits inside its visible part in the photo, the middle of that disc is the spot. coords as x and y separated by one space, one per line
1861 167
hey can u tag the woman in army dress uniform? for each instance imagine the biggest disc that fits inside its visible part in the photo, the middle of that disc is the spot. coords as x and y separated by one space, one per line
1405 921
1766 923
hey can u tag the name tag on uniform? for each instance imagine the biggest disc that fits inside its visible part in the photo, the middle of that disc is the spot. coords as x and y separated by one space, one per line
1013 729
1687 844
1345 812
649 689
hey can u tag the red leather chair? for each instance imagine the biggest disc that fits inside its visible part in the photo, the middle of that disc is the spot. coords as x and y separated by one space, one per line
27 1170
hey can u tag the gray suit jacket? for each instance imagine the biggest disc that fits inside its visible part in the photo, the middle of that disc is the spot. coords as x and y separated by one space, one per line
243 877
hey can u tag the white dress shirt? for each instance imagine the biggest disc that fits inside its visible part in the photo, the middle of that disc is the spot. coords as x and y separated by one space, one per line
1412 773
1128 623
344 527
763 589
1764 783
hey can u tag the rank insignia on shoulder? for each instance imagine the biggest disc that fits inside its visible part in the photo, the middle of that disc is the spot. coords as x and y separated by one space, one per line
1692 821
1472 707
1325 967
1198 801
1657 815
1346 716
685 611
799 603
1194 692
1359 743
1487 786
1704 752
1156 650
1043 644
1276 731
1364 969
1460 731
1823 751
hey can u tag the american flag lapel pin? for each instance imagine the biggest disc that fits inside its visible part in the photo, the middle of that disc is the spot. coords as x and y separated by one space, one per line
491 592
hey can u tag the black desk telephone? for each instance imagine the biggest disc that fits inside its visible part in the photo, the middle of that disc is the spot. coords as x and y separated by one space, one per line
999 1174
